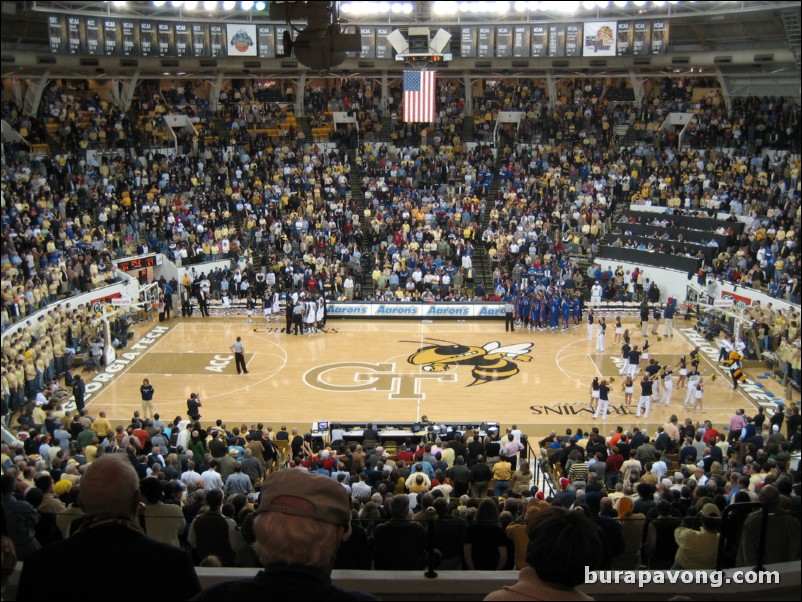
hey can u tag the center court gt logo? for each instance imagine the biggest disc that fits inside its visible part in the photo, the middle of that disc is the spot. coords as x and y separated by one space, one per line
489 363
362 376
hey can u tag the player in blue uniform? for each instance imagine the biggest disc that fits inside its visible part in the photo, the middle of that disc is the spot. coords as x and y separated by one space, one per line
534 313
554 313
544 312
566 310
577 309
523 311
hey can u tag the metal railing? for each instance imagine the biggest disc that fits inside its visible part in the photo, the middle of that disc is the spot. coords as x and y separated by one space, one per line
542 476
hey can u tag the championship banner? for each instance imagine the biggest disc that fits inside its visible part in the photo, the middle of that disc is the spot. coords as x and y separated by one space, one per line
600 39
241 40
659 37
57 32
94 36
623 40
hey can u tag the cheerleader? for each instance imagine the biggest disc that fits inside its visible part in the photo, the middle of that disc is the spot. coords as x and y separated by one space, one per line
683 372
594 394
634 361
629 389
694 378
601 328
604 401
645 401
668 386
625 349
619 331
590 324
250 306
645 350
698 395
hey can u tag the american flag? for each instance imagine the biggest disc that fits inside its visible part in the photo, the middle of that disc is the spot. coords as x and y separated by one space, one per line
419 94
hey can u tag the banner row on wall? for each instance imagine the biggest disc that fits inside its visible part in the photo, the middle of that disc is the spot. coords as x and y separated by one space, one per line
109 36
543 40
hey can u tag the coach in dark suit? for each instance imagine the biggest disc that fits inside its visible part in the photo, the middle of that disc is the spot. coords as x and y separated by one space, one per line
110 549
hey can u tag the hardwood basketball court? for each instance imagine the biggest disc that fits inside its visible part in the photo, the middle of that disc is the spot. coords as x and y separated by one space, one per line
396 370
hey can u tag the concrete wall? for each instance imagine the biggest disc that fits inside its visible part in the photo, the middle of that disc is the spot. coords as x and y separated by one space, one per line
475 585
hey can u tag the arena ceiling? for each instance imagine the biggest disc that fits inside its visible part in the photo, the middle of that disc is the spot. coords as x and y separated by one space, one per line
743 30
694 25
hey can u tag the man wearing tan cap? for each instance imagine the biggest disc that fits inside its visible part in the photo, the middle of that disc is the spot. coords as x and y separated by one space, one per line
698 549
301 521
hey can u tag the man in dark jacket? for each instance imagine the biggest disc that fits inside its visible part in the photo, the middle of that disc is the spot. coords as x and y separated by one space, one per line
79 392
110 499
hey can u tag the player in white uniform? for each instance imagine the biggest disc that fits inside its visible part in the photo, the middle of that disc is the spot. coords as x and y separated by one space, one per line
310 309
267 306
275 301
319 313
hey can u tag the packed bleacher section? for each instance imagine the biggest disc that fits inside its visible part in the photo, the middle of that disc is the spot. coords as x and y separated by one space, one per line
649 493
550 201
430 200
360 98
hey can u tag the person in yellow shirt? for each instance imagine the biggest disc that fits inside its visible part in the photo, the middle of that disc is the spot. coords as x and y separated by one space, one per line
698 549
502 471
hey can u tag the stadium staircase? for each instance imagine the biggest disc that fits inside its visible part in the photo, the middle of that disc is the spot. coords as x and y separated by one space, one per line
385 135
54 143
221 129
482 264
627 135
621 131
467 129
358 197
306 128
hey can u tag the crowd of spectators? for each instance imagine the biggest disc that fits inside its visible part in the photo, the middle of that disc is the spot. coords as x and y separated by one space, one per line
649 494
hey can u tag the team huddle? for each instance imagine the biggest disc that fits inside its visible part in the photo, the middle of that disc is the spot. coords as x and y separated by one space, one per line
548 309
306 313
